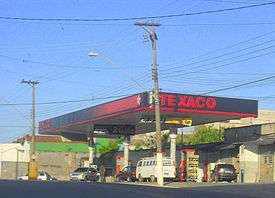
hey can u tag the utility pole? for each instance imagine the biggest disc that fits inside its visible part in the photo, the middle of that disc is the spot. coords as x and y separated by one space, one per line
150 27
33 173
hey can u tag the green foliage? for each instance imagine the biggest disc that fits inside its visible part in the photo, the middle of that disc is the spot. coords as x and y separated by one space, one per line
204 134
165 137
111 146
139 145
150 141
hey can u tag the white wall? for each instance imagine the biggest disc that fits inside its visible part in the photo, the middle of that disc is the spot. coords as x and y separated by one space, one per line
8 152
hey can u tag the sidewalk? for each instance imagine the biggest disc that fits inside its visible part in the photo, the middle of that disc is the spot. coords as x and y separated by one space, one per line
180 184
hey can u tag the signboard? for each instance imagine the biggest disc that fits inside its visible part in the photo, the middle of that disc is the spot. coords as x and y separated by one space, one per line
179 121
208 105
188 101
115 129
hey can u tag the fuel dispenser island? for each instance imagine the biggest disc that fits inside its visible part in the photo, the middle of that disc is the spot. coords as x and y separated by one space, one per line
189 166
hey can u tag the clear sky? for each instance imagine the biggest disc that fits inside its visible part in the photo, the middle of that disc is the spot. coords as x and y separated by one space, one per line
196 54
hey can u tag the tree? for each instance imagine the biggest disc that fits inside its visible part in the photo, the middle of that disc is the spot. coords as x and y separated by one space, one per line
204 134
111 146
149 141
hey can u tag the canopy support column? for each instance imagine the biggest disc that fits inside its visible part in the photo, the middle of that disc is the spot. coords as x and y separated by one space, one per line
90 138
126 150
173 143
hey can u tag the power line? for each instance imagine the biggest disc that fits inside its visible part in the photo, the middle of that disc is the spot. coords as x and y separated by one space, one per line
225 54
223 65
135 18
11 126
237 73
219 24
229 1
57 108
62 102
251 39
239 85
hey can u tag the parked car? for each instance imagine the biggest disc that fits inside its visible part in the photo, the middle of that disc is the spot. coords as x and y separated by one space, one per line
42 176
85 174
147 169
224 172
127 174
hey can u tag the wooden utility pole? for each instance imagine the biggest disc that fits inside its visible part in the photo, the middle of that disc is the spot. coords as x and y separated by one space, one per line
150 27
32 171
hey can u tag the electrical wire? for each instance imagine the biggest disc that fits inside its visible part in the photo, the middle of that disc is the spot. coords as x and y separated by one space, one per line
239 85
219 24
136 18
224 54
240 2
64 101
13 126
223 65
251 39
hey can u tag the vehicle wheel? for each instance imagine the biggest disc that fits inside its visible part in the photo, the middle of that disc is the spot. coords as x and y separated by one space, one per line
216 179
129 179
140 179
86 179
152 178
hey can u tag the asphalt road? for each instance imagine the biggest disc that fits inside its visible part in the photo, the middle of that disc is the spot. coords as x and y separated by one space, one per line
36 189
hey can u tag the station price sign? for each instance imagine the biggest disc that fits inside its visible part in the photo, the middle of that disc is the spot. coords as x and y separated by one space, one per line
116 129
179 121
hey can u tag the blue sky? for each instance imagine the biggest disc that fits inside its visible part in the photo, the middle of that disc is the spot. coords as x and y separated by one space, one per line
240 44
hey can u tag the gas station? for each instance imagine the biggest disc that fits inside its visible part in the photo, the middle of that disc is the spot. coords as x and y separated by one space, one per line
135 114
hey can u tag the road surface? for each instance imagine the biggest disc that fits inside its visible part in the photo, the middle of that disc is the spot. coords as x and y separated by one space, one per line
37 189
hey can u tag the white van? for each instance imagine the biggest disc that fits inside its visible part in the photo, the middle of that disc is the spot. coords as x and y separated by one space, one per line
147 169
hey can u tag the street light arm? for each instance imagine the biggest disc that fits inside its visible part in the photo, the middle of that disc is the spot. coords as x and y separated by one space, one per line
124 70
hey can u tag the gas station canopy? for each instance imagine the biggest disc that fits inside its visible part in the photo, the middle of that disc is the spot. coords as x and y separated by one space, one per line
136 114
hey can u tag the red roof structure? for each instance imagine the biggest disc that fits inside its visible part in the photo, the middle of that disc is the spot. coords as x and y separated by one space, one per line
135 114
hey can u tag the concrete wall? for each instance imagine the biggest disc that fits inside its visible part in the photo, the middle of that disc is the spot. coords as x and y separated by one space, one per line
249 162
268 129
11 156
229 156
264 116
242 134
59 164
8 169
266 165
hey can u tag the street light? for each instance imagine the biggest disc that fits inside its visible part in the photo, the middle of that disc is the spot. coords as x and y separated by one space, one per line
124 70
93 54
129 75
